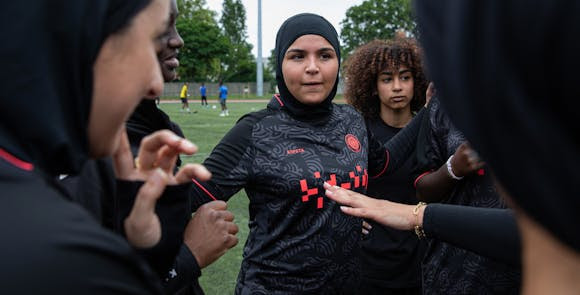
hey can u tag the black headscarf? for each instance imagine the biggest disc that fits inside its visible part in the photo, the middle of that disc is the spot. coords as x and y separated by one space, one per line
507 73
47 56
292 29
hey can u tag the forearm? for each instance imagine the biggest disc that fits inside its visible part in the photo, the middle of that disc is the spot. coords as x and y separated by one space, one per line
390 156
434 186
488 232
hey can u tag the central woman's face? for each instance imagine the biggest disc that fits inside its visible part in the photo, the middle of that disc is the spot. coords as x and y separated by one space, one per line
310 68
126 70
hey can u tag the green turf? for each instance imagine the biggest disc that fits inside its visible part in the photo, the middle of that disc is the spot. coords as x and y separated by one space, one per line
205 128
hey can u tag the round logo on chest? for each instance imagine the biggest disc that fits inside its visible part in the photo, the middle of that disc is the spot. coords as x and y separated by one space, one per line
352 143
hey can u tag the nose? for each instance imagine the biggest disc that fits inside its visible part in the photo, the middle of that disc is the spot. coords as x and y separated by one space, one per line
156 82
175 41
397 85
312 65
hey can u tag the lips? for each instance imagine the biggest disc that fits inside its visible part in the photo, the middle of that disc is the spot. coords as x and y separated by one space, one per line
312 84
398 98
171 62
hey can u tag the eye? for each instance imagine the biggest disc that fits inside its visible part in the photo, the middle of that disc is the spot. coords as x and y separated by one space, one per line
296 56
325 56
406 77
387 79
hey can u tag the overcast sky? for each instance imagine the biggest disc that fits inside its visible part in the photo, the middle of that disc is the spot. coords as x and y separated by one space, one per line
275 12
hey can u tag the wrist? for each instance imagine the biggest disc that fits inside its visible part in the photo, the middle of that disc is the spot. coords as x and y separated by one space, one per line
418 212
200 262
450 169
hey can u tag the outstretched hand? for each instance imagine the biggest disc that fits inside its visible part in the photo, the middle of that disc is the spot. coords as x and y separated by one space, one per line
157 157
387 213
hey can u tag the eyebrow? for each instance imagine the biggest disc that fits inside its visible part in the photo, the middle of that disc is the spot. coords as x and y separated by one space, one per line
400 73
302 50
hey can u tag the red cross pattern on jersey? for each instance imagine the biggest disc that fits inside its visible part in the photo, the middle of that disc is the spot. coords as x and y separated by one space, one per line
358 178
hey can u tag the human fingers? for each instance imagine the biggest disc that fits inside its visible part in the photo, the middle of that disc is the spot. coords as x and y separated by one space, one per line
167 158
142 226
190 171
366 228
357 212
429 93
367 225
152 144
347 197
216 205
123 163
232 228
231 241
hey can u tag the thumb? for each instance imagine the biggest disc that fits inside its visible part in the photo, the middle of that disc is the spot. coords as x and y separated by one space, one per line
142 226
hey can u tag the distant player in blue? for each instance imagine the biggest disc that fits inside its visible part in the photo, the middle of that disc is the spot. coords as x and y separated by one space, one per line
203 92
223 98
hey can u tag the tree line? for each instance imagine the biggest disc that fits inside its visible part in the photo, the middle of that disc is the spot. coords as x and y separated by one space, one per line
218 50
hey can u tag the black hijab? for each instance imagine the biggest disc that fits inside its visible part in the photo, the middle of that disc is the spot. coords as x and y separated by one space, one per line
507 74
292 29
47 56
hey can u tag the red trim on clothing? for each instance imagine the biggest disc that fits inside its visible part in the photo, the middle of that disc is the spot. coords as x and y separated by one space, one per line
277 96
203 189
419 177
15 161
386 165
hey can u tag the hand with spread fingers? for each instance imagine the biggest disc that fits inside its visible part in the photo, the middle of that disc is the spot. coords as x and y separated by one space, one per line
391 214
157 156
211 232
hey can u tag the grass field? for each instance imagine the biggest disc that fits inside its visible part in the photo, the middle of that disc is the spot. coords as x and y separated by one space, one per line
205 128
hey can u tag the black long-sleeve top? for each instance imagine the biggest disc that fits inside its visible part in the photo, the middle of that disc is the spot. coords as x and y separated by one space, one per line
299 240
110 202
51 245
489 232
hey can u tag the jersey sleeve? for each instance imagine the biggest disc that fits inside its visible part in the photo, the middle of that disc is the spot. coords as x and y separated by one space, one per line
230 163
489 232
386 157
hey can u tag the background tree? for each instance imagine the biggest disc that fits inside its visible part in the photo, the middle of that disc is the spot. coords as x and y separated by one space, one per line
375 19
239 65
270 68
205 43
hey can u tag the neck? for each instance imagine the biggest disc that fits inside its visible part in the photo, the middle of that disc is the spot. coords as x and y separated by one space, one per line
549 267
397 118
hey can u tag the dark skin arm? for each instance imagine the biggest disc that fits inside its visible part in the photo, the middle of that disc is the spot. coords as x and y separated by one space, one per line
434 186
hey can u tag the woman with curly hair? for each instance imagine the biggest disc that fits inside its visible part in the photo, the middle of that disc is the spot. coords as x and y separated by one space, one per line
385 82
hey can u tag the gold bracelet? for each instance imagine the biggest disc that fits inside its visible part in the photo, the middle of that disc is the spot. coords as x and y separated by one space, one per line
419 229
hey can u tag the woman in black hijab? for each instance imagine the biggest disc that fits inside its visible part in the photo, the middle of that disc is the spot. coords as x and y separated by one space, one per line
506 73
299 242
49 243
507 76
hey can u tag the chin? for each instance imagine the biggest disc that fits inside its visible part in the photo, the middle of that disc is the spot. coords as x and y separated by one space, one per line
312 100
169 75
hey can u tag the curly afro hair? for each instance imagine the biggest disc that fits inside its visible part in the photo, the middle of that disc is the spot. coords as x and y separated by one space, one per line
367 62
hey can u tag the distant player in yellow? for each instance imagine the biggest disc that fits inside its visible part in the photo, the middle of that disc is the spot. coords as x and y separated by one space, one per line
183 96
